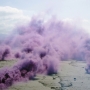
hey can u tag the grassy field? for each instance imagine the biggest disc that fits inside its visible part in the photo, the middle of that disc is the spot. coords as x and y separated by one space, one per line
71 76
41 82
7 63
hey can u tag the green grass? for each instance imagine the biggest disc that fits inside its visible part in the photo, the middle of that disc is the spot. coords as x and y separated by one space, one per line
29 85
7 63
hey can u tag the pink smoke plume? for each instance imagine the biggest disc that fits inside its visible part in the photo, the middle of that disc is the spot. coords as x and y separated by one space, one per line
39 46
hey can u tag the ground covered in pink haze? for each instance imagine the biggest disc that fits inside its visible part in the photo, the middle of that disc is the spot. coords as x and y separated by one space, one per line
39 47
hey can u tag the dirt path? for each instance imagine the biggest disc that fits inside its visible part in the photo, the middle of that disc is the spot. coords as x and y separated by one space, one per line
73 76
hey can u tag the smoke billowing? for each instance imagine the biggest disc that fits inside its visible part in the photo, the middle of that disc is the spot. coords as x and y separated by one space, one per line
39 46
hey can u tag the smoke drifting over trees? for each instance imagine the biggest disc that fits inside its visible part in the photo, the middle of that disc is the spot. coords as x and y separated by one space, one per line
39 46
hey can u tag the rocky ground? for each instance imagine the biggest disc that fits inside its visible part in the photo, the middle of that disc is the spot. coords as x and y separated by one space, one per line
71 76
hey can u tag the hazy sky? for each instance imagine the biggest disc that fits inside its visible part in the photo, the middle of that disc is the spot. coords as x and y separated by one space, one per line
13 11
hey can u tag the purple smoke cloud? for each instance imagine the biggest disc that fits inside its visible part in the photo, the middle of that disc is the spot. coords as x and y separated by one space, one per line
5 52
39 46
